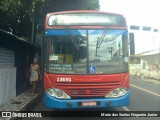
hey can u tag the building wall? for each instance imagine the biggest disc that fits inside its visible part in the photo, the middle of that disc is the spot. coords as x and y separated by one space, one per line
7 75
7 84
146 37
149 67
13 80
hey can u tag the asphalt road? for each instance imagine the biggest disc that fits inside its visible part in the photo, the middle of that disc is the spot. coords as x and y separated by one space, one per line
145 96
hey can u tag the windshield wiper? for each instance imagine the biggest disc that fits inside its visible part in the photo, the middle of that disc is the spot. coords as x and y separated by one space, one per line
99 41
72 38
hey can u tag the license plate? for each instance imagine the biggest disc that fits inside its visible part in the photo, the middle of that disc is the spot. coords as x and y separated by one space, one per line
90 103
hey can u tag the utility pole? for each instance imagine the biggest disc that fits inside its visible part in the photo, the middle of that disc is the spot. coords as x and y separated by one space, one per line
33 21
32 37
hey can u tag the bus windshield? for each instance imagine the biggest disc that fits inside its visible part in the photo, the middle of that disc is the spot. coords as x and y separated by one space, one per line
86 51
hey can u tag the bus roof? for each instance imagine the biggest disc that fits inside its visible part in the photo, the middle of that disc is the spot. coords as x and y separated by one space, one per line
82 11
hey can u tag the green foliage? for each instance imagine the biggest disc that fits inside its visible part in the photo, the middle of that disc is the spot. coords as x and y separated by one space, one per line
62 5
17 16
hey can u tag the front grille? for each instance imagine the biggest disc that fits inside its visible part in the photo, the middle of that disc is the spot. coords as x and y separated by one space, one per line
85 84
84 89
98 92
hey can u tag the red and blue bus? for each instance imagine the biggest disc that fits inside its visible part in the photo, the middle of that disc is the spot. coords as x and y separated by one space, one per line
85 60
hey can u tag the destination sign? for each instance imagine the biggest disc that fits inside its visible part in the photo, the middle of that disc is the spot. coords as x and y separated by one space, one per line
86 19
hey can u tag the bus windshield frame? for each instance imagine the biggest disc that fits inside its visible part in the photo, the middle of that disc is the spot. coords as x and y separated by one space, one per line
77 51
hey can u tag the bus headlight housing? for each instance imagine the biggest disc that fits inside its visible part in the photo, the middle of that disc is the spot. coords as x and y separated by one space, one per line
57 93
118 92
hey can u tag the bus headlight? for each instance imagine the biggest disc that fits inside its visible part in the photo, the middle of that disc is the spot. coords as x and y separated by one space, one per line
57 93
118 92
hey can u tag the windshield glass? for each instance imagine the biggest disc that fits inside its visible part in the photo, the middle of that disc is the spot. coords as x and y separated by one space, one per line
86 51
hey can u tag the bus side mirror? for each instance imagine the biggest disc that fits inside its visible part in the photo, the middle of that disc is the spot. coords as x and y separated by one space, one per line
132 43
40 28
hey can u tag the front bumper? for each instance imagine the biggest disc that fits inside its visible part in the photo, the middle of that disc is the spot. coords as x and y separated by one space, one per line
52 102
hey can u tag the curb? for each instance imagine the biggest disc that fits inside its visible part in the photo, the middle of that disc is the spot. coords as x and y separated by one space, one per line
19 103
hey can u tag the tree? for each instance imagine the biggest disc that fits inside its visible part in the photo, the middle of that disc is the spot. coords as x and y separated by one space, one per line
17 16
61 5
20 17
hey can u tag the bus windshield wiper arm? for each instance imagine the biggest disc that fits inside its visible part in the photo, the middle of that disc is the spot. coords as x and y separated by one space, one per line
99 41
72 38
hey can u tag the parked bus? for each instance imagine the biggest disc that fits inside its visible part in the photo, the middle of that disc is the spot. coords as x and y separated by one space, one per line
85 60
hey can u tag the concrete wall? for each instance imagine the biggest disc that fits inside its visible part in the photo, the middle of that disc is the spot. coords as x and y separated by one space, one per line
7 84
137 70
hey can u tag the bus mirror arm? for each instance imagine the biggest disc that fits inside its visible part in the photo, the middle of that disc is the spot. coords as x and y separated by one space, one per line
40 28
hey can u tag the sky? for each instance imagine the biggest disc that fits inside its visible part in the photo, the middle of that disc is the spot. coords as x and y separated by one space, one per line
135 11
138 12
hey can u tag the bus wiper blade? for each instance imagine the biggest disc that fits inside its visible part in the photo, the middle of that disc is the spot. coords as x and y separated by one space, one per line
72 38
99 41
